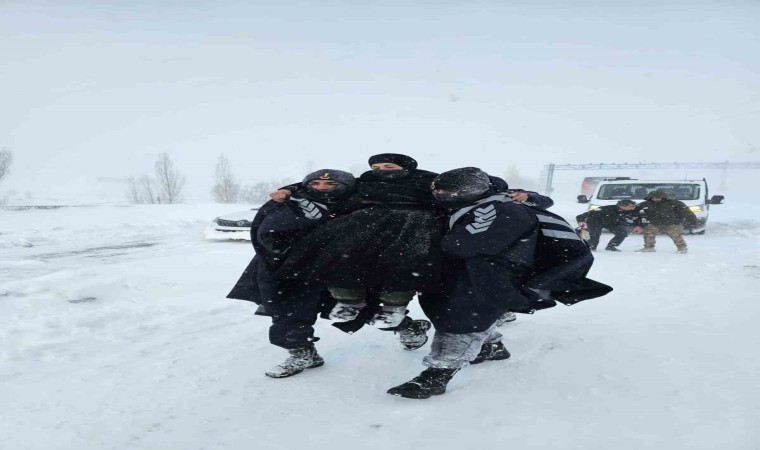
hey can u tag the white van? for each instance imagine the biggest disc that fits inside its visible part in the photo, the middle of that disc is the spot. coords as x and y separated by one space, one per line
692 192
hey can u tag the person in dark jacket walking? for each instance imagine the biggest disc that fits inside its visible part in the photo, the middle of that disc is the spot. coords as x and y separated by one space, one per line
293 305
501 256
661 214
615 218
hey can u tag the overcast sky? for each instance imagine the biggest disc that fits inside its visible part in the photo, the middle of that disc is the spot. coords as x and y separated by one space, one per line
99 88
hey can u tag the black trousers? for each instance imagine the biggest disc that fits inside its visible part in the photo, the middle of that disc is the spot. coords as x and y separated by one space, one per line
595 231
294 310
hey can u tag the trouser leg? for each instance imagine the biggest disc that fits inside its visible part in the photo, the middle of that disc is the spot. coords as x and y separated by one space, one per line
493 336
595 232
294 314
650 233
349 295
620 234
350 302
675 232
396 298
360 295
393 310
453 351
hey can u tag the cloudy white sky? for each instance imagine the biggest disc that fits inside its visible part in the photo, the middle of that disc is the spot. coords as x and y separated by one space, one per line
98 88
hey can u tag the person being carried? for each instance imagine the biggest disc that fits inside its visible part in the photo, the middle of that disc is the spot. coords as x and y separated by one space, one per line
616 218
378 254
661 214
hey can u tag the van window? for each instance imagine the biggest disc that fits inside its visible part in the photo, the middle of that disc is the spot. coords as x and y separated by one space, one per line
639 191
590 183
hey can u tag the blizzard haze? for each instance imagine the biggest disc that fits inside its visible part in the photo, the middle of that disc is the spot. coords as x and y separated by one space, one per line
92 92
115 334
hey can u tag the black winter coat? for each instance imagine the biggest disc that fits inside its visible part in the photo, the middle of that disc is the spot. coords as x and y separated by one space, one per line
514 256
563 261
609 216
390 242
276 227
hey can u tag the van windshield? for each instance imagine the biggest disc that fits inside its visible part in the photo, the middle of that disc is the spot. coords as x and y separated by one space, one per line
590 183
639 191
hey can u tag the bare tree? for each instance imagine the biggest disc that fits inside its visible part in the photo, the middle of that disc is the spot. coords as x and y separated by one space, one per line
148 191
227 188
133 191
141 190
169 182
165 187
6 159
258 193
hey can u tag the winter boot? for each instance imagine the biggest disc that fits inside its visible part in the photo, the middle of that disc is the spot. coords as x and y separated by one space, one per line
646 250
682 250
344 312
491 352
413 333
611 248
430 382
508 316
389 317
299 359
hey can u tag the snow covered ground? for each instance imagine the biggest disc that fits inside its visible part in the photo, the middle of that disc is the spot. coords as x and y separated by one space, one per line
115 334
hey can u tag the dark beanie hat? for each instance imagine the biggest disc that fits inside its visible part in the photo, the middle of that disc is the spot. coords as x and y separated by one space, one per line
467 181
331 175
407 162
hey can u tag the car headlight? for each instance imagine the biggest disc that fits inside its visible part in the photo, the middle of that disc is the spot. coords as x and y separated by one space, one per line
695 208
243 223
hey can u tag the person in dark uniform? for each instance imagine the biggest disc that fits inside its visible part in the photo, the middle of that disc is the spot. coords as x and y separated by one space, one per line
294 306
500 256
615 218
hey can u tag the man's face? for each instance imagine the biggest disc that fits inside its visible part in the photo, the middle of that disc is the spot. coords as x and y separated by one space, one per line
446 197
386 166
323 185
627 207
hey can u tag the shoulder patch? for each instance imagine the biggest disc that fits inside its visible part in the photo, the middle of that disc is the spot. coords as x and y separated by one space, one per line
485 210
309 209
484 218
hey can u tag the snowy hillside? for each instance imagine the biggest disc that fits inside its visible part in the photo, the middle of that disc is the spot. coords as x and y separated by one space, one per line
115 334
